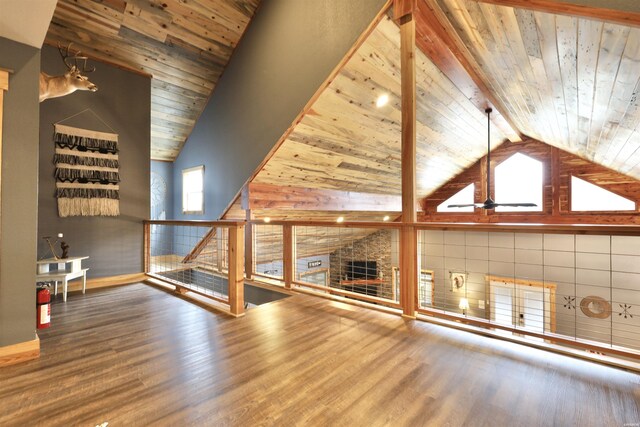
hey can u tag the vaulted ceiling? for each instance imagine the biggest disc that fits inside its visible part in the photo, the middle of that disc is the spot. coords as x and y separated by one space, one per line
566 75
569 81
183 45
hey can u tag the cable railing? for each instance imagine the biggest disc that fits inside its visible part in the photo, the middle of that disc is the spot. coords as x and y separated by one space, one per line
575 286
206 258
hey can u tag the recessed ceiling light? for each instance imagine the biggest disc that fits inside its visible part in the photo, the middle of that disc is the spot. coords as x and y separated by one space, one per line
267 219
382 100
386 218
340 219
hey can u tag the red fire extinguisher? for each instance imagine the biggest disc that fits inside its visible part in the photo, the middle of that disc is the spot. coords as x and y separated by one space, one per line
43 308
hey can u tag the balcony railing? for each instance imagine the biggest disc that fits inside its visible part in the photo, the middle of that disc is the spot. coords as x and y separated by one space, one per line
576 286
206 258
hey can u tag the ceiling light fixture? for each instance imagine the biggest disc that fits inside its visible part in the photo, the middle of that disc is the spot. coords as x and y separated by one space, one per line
386 218
382 100
489 203
340 219
267 219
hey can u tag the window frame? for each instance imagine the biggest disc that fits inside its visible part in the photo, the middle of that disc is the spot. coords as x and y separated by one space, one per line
185 211
606 212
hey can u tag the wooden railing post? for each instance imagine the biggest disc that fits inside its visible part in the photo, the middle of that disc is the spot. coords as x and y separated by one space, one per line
289 255
408 270
236 270
248 246
147 247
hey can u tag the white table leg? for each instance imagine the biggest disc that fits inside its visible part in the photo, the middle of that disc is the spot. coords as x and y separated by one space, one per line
55 292
84 281
64 294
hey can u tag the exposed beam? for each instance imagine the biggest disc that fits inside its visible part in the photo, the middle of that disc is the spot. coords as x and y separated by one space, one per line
408 239
268 196
437 39
588 9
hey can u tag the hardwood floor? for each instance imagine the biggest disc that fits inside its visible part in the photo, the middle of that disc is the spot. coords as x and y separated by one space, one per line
134 355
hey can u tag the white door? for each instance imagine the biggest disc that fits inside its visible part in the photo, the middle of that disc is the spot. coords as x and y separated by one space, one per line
520 305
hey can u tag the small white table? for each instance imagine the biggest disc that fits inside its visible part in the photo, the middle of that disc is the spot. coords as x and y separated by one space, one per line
64 270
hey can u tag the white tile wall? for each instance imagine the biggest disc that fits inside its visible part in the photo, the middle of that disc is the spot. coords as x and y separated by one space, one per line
625 245
596 244
501 240
478 266
625 280
457 264
559 274
501 254
454 251
559 242
593 277
477 238
529 271
433 249
454 238
593 261
477 252
528 256
433 262
504 269
559 258
625 263
528 241
433 236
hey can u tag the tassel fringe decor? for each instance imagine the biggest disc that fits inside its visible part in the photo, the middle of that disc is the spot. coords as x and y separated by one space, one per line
88 207
85 161
86 173
84 176
87 193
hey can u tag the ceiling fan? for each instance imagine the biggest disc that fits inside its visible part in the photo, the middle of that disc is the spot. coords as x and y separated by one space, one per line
489 203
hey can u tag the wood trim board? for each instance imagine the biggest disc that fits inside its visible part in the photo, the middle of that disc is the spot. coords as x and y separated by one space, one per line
20 352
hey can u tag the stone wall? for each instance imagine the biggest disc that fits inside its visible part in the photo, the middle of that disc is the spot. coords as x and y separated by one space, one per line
375 247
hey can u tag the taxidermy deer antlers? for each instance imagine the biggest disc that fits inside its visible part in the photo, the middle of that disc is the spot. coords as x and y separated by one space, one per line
69 82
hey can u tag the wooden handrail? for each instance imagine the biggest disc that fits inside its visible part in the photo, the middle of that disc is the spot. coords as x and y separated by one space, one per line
194 223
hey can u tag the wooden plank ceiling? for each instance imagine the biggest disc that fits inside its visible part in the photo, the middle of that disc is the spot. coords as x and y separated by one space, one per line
570 82
345 142
184 45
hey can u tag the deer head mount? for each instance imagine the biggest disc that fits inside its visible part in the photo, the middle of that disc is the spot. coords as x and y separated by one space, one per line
69 82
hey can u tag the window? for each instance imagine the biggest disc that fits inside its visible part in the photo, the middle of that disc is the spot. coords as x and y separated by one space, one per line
193 190
589 197
462 197
519 180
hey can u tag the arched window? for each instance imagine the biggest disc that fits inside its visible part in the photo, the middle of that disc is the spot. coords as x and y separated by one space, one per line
519 180
590 197
462 197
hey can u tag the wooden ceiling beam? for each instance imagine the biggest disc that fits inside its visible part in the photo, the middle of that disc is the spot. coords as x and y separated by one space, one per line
268 196
439 41
619 16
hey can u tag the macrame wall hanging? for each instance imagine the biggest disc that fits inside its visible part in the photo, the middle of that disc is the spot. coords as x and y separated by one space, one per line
86 171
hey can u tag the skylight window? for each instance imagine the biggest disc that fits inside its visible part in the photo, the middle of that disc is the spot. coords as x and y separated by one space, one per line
589 197
518 180
462 197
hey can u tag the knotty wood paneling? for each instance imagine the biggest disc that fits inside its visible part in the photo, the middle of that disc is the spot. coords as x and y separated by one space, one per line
558 167
347 143
570 82
184 45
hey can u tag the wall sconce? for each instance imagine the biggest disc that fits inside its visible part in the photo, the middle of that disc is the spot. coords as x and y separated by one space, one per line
464 305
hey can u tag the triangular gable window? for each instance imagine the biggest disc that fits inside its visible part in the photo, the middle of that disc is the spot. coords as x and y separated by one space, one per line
462 197
519 180
590 197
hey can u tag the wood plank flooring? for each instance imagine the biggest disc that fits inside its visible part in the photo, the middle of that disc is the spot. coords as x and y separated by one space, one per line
135 355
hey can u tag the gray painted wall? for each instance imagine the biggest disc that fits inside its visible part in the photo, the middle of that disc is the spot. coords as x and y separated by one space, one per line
289 49
19 193
123 101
